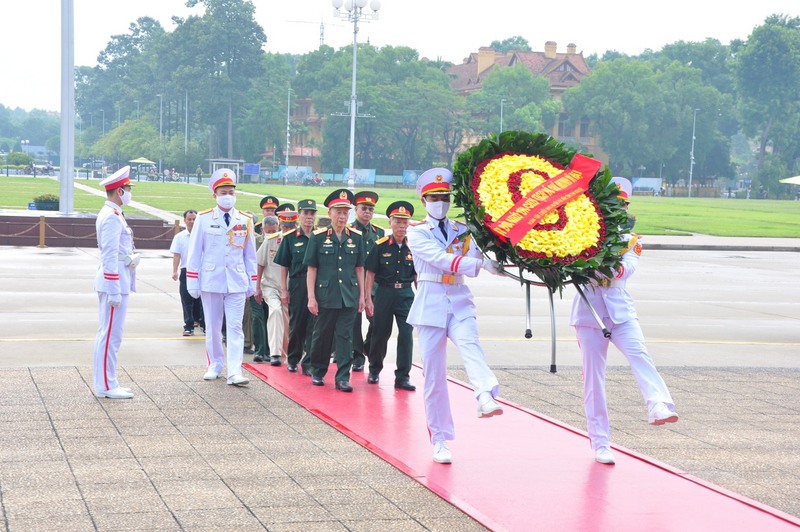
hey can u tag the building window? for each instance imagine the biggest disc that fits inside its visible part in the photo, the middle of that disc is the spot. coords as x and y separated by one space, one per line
563 126
584 128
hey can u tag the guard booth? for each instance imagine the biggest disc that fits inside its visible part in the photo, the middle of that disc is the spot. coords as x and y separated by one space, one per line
237 165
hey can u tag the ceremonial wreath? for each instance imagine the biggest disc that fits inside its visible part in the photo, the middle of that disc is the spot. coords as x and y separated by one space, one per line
541 206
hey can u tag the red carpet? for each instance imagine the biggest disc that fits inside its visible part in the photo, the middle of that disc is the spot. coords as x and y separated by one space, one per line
521 470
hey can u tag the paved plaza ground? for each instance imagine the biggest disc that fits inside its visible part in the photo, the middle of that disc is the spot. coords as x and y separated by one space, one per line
723 325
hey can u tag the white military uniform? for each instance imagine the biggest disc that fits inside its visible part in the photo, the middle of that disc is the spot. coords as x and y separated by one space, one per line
443 308
613 303
278 318
221 264
114 277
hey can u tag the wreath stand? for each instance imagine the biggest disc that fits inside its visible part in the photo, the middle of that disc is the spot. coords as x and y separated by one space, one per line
528 330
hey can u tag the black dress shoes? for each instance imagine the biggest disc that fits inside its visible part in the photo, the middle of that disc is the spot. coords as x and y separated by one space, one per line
405 385
274 361
292 368
306 372
344 386
258 358
358 367
317 381
373 378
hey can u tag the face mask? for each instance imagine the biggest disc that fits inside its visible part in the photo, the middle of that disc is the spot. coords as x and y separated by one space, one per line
226 202
126 197
437 209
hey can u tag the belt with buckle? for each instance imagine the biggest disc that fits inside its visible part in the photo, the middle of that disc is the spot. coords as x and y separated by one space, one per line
395 285
447 278
606 283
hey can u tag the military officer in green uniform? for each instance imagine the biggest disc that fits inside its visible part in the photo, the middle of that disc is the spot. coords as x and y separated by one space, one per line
390 271
294 292
365 208
335 282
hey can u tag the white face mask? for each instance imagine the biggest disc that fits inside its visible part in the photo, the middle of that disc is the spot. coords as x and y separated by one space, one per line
126 197
437 209
226 202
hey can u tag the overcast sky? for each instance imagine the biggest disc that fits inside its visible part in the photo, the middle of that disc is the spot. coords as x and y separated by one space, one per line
31 44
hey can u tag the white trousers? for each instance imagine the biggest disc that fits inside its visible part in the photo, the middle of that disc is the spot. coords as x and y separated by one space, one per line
232 305
628 338
433 345
107 342
277 323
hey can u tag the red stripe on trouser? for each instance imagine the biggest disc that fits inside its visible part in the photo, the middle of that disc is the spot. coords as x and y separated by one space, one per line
108 339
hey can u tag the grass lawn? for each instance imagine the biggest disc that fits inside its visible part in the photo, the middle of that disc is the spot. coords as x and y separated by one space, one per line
654 215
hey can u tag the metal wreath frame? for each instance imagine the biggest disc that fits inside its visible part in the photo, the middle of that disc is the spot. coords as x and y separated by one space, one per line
528 330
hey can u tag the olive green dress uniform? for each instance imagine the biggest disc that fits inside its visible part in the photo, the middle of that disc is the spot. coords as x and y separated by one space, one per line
361 344
290 254
259 313
393 265
337 293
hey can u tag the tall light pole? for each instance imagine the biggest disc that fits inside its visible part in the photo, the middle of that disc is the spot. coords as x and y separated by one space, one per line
502 103
160 126
354 11
691 154
104 121
288 130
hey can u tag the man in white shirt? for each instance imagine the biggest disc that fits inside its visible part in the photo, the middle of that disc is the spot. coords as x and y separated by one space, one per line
192 308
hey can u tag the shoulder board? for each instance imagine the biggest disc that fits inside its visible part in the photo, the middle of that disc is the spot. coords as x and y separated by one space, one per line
456 223
320 230
246 214
356 231
289 232
273 235
382 240
416 222
205 211
116 211
632 243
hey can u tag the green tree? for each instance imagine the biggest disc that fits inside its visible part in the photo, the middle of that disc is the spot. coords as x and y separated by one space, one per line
528 105
768 79
512 44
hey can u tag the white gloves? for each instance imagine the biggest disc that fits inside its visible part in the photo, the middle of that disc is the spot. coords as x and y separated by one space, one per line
194 293
491 266
114 300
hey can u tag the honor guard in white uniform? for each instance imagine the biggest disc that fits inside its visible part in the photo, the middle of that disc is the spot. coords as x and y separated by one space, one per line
444 254
115 280
614 305
222 268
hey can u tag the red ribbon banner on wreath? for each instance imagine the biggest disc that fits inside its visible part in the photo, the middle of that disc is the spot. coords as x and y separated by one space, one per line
545 198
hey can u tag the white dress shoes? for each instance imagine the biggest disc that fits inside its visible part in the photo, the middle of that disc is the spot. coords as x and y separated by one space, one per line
441 454
661 414
487 406
604 456
115 393
210 375
238 380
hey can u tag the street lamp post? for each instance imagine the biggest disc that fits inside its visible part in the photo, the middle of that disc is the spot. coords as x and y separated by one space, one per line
104 122
502 103
691 153
354 11
160 128
288 132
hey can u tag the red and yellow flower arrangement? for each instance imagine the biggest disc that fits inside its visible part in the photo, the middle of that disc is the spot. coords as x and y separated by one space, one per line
541 206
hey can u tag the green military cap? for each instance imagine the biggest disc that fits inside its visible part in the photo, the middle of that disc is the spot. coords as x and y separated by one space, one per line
269 202
307 205
400 209
339 198
366 197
